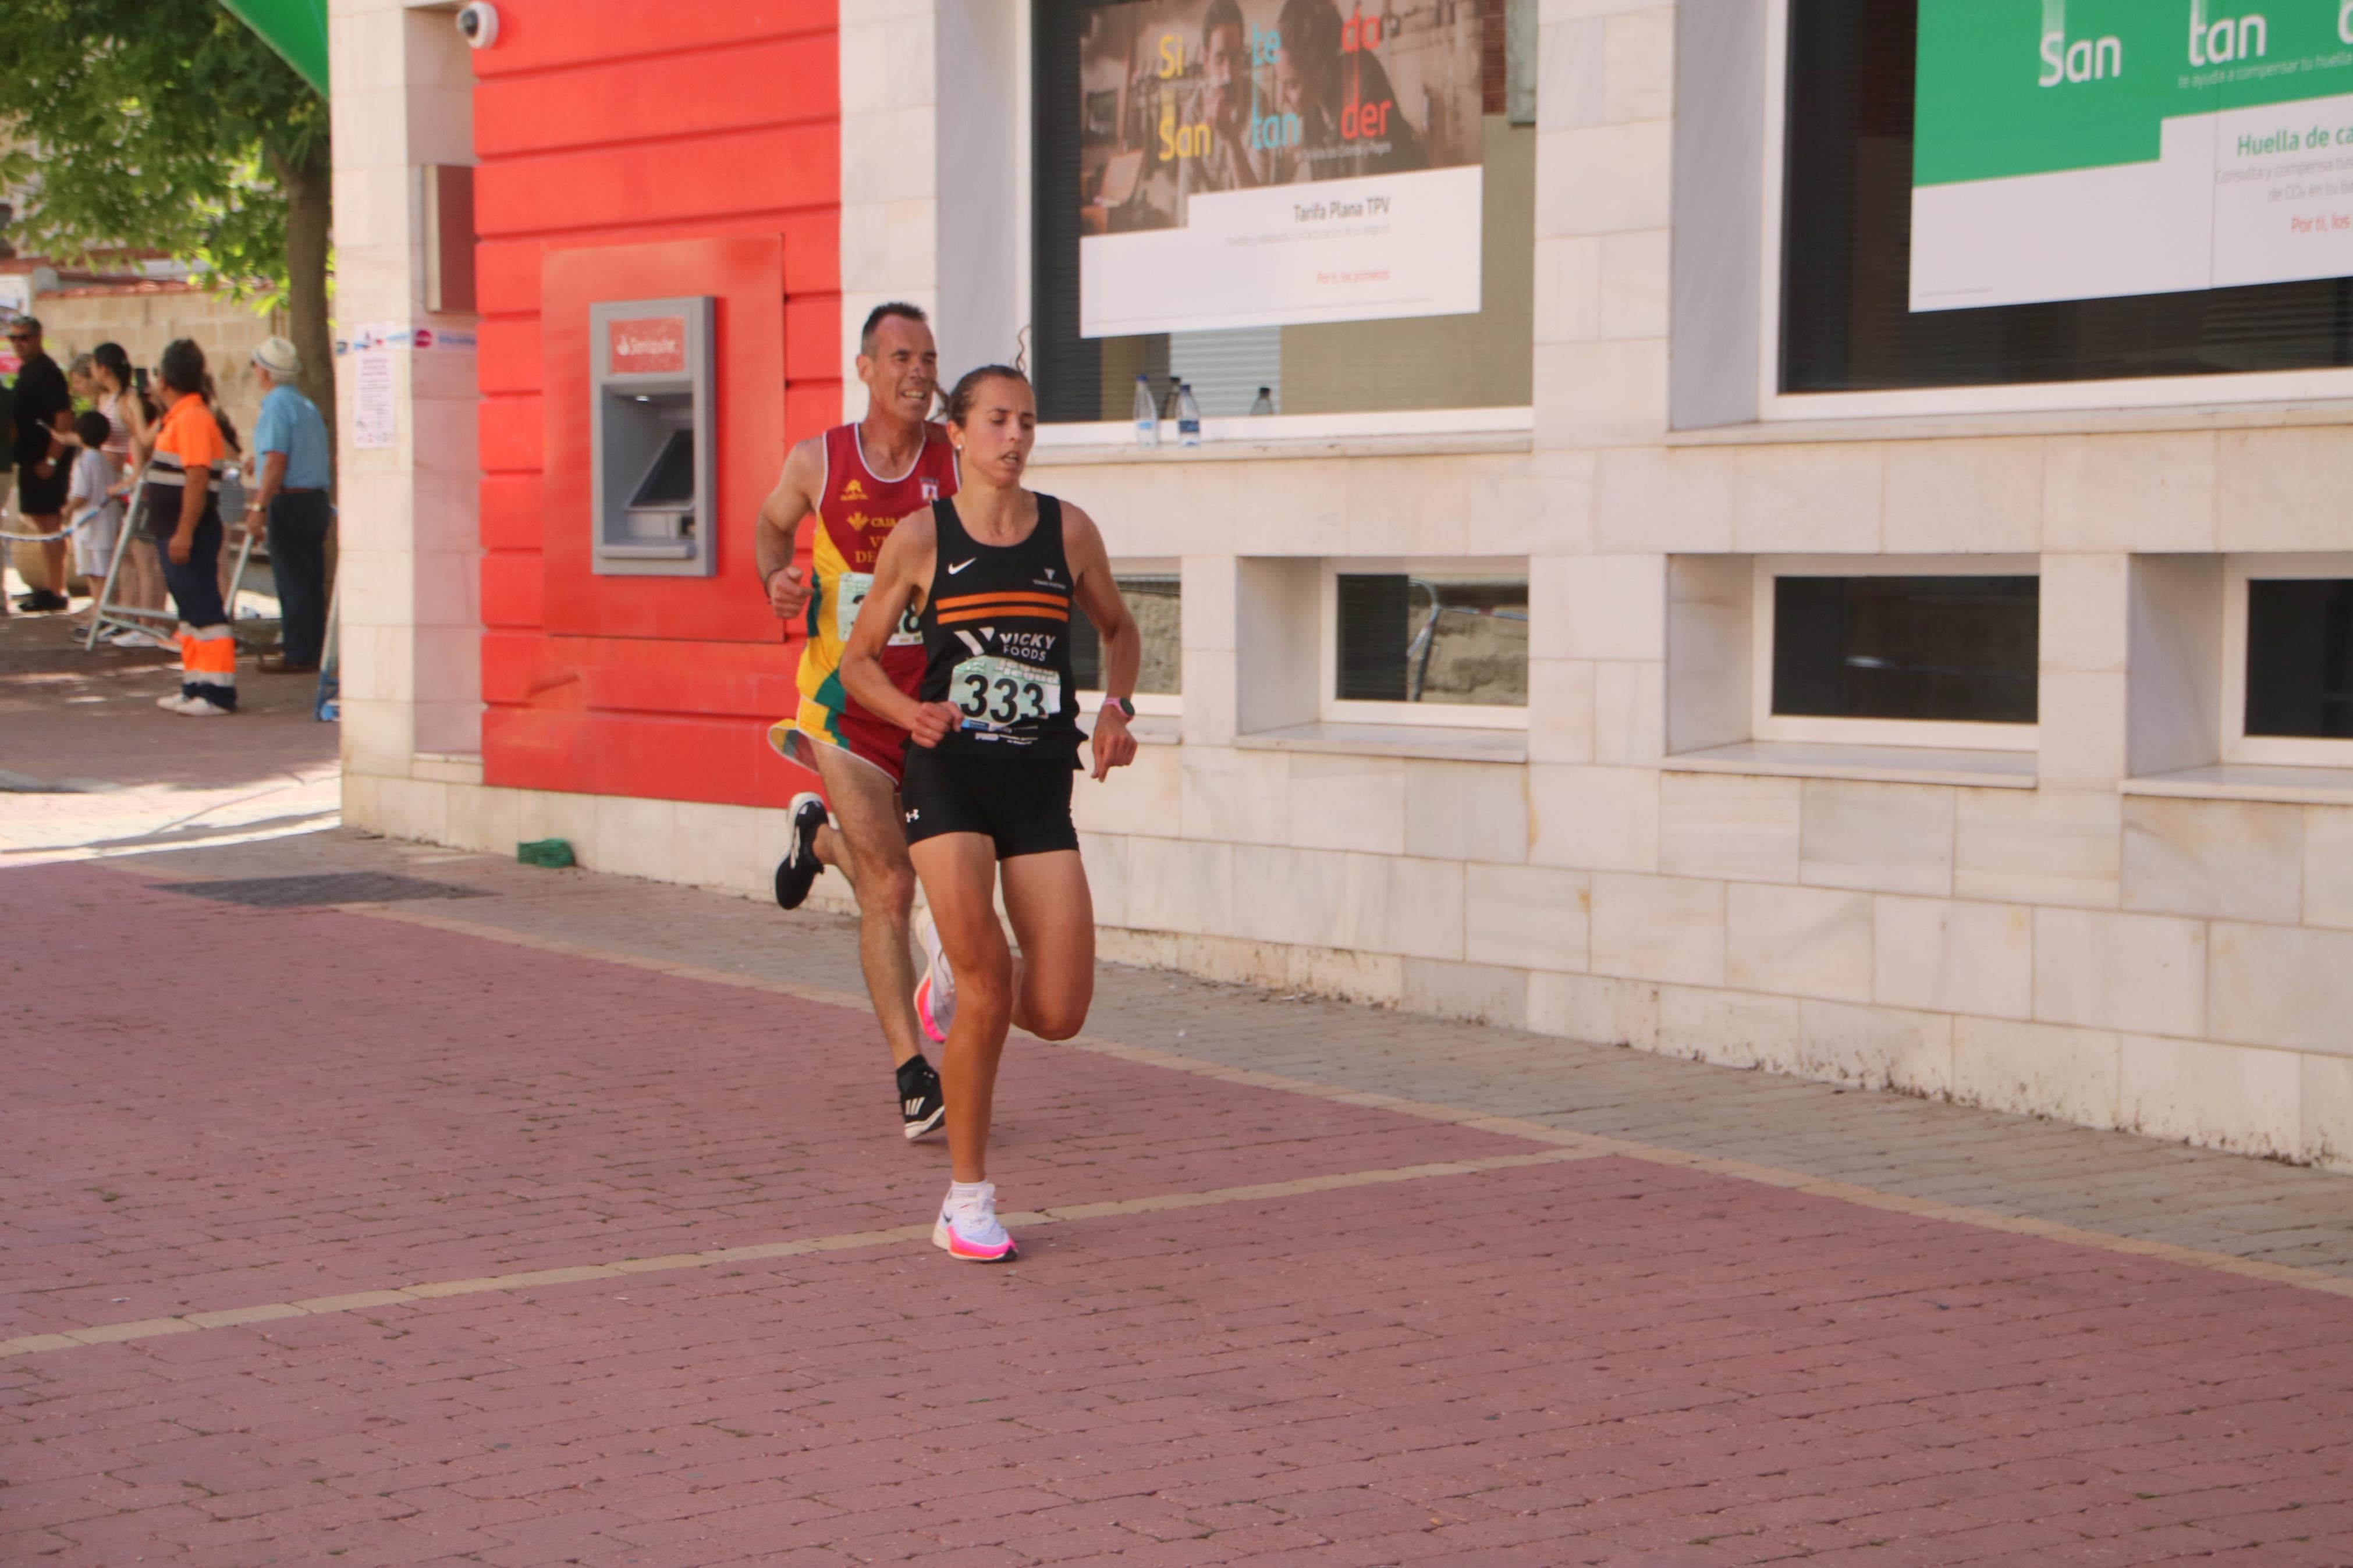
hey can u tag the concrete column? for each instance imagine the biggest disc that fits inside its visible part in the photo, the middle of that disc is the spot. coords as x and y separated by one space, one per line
411 621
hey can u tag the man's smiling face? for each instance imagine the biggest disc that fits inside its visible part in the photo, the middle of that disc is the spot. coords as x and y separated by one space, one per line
901 369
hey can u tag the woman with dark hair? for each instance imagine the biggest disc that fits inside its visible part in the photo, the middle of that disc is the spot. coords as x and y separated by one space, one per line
139 581
184 517
994 740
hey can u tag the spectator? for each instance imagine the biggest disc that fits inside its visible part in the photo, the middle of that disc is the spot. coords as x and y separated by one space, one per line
44 411
91 509
7 477
291 439
181 512
130 421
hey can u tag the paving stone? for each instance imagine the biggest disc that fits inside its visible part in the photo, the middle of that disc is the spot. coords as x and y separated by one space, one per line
1599 1359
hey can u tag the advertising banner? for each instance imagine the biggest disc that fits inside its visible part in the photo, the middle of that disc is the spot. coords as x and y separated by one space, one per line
1271 162
2092 149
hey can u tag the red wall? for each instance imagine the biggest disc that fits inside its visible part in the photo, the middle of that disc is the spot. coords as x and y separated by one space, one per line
630 151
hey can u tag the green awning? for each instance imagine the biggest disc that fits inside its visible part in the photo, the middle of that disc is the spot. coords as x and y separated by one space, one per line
295 28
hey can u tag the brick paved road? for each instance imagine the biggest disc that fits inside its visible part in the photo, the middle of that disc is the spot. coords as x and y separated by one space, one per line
1593 1306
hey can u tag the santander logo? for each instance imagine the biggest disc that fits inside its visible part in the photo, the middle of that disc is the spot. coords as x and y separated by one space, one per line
654 345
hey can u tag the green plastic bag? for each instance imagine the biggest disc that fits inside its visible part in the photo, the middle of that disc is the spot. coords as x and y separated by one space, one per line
553 853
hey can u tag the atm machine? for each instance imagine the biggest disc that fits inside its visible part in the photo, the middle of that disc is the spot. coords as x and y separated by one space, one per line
653 434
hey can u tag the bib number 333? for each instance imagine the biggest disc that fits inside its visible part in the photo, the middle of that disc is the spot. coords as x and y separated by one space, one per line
999 693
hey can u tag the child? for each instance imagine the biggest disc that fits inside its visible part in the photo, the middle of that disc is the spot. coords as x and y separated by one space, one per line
92 511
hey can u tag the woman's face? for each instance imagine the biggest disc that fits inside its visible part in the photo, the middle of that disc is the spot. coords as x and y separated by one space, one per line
997 433
83 382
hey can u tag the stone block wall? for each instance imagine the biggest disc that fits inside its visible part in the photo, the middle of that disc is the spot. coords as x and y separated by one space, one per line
2049 931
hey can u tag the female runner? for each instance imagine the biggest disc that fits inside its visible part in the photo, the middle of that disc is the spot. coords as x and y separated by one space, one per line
993 745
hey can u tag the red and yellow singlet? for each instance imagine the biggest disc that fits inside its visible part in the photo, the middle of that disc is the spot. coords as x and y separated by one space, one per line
856 512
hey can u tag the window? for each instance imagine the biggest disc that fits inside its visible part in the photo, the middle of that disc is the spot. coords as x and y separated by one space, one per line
1429 644
1155 595
1940 653
2287 691
1140 120
1846 321
2300 658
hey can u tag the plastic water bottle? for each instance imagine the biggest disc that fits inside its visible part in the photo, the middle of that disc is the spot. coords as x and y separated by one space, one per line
1265 404
1188 418
1147 417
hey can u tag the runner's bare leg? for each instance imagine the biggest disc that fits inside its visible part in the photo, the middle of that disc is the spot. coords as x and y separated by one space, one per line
959 873
1046 990
833 849
1053 916
866 808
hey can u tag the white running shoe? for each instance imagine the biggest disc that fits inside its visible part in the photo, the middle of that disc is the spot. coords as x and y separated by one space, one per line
170 703
202 708
935 992
967 1226
134 639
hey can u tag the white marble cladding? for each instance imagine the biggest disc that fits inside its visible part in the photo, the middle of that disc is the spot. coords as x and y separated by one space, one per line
411 612
2181 967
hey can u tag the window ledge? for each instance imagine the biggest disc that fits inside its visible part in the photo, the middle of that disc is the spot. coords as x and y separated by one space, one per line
1877 765
1399 445
1149 729
2246 780
1429 741
2084 421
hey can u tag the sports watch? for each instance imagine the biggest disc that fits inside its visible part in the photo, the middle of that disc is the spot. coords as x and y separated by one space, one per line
1126 708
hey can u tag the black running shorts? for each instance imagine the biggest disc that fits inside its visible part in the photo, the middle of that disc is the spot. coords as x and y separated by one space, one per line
1022 805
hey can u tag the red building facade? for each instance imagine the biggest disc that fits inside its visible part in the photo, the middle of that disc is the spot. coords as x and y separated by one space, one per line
626 151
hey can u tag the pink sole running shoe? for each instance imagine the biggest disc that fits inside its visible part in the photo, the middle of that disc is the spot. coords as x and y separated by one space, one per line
932 1030
967 1228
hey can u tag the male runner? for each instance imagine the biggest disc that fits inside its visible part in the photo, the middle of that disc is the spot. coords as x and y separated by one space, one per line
859 480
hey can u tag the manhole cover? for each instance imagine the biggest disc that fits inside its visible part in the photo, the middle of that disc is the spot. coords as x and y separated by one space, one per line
334 888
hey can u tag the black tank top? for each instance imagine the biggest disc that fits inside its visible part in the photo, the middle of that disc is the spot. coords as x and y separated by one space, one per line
997 638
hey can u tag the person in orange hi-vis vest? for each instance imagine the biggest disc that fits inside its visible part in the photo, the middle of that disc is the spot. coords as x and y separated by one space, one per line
182 513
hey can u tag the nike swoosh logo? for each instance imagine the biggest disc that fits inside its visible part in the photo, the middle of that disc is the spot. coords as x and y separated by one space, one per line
954 570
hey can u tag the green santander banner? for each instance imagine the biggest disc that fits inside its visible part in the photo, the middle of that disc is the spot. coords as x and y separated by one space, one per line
2095 149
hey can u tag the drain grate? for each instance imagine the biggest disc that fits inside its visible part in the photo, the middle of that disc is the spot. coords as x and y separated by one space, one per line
333 887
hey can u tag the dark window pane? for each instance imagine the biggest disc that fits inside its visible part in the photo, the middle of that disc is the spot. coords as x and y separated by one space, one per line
1951 648
1372 636
1846 317
1156 601
1452 637
2300 658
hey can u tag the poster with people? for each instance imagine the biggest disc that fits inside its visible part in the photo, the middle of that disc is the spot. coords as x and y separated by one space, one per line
1272 163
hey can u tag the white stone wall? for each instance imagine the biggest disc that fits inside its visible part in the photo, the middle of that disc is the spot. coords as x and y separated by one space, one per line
410 615
2174 966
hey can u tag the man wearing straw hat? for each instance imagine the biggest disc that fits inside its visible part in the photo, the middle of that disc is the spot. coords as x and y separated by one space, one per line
292 504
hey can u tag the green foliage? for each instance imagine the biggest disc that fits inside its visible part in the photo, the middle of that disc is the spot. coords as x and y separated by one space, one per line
163 124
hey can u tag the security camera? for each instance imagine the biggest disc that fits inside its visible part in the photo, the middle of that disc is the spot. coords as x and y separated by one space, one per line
479 25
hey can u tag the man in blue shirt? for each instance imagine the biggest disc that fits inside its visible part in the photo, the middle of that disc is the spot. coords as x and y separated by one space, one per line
291 502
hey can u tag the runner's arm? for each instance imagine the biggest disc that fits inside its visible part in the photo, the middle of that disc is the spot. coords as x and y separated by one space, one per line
775 536
1123 644
901 575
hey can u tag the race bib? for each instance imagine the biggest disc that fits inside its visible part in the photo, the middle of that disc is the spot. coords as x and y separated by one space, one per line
998 693
849 592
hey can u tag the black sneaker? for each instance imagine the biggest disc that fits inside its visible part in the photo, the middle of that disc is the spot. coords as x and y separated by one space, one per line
920 1105
41 602
800 865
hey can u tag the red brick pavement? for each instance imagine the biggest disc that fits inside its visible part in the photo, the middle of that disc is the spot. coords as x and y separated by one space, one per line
1593 1362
